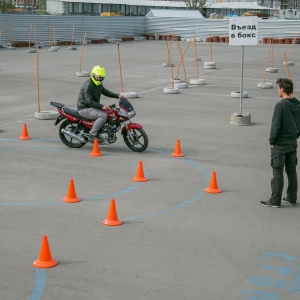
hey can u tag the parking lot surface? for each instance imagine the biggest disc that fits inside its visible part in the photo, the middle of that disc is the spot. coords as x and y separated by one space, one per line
176 240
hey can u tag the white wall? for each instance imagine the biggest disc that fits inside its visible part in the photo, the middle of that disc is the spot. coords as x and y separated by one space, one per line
54 7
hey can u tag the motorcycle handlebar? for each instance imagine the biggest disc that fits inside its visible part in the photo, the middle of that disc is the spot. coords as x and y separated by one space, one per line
114 105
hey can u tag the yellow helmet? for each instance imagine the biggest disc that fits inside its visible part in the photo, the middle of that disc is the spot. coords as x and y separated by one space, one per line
98 74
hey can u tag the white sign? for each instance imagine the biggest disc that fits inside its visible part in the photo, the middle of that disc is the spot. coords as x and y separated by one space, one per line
243 31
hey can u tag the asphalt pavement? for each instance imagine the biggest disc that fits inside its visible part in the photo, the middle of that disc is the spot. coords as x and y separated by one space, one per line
176 241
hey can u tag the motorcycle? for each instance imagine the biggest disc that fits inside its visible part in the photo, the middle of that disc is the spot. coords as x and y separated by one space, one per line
74 130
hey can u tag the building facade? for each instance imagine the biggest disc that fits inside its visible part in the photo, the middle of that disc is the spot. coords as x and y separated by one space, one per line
109 7
142 7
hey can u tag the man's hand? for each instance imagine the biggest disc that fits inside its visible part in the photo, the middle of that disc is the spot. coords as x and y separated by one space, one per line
105 107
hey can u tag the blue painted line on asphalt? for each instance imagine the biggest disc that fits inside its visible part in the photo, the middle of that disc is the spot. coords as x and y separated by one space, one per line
118 193
165 210
284 271
102 197
268 282
39 149
28 204
295 285
259 295
40 284
114 194
286 257
40 281
200 168
275 283
8 139
36 139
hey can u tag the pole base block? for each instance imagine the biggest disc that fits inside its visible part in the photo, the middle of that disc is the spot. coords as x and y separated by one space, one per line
265 85
171 90
83 74
289 63
240 119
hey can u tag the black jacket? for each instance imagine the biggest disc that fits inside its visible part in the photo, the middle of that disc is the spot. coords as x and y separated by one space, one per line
285 126
90 94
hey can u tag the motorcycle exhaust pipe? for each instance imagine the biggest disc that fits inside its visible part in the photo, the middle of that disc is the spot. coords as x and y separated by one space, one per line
73 135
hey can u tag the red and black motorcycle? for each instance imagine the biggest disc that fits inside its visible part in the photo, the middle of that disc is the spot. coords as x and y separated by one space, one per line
74 130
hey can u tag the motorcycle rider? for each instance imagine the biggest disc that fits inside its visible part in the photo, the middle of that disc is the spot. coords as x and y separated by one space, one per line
88 104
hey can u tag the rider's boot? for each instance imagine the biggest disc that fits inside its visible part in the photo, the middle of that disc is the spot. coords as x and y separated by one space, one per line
91 137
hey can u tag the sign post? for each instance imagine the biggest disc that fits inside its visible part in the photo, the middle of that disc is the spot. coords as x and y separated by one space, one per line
242 31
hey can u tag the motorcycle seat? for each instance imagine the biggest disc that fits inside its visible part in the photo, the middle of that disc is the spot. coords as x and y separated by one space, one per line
73 112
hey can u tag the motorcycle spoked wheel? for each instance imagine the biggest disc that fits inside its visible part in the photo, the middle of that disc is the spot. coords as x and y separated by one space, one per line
137 141
69 141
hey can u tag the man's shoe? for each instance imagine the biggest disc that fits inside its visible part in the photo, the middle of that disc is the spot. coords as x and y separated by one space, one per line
91 137
288 202
269 204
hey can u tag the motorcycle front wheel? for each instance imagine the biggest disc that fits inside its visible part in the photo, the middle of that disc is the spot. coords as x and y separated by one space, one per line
74 128
136 139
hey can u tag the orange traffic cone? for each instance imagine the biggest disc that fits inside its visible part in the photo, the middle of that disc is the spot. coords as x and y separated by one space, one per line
96 151
213 186
112 217
45 260
71 196
24 135
177 150
140 173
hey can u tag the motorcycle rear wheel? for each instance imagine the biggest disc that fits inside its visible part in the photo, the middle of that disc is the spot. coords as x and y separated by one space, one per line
69 141
138 142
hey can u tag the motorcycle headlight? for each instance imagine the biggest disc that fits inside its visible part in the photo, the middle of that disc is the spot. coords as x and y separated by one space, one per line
131 114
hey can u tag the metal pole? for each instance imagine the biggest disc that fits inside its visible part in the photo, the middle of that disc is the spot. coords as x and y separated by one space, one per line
38 79
120 68
242 76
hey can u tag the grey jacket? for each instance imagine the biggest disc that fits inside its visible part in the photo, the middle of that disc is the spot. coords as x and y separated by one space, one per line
90 94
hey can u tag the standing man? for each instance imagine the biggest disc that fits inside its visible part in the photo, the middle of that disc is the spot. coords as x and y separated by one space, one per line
88 104
285 130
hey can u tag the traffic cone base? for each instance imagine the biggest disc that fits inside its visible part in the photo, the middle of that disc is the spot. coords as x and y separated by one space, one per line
112 217
71 200
71 196
96 150
45 264
213 191
140 174
111 222
140 179
24 135
177 154
213 186
177 150
45 260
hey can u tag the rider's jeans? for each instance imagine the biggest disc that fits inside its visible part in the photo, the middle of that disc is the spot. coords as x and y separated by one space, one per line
94 114
284 156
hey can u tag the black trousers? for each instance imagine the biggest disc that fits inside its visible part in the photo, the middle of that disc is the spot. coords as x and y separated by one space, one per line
284 156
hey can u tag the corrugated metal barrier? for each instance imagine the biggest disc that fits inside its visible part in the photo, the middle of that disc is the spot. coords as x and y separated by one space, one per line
202 28
51 28
45 28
